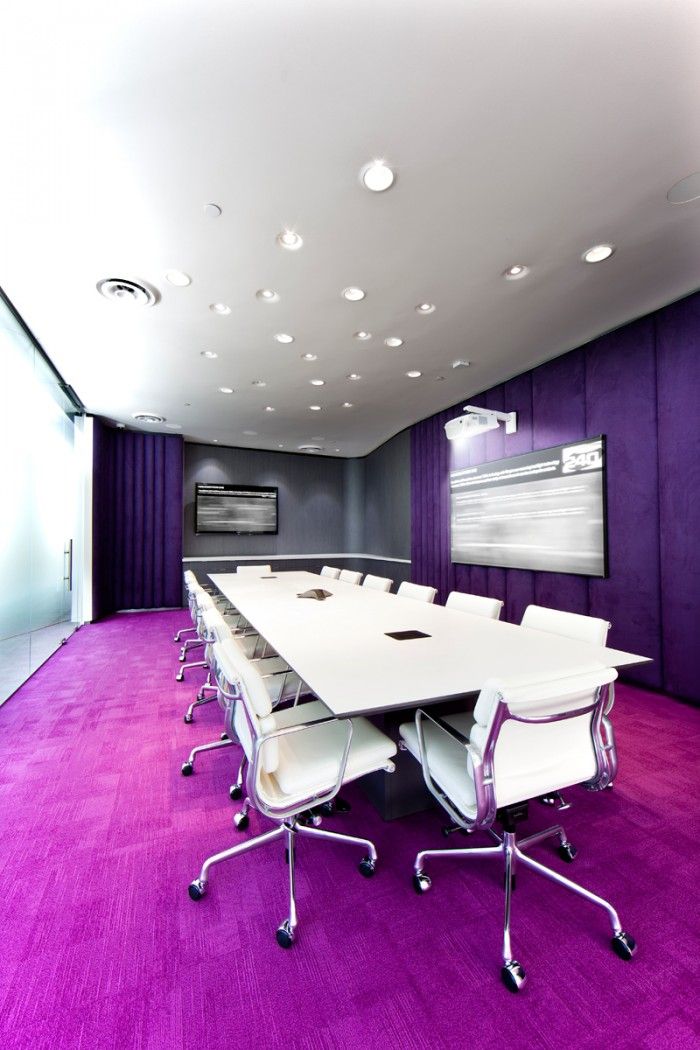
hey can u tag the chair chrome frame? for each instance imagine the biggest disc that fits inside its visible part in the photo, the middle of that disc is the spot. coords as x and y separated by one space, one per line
509 848
287 819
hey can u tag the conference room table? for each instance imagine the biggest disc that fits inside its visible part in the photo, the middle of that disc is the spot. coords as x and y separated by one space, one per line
342 649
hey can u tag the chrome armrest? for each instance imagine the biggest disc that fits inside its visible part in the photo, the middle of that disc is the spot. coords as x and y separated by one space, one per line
434 789
312 800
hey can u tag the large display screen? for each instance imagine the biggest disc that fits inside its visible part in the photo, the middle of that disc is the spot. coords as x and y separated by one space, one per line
235 508
542 510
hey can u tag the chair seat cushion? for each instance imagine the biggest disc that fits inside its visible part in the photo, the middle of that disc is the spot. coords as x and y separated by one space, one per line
309 760
447 758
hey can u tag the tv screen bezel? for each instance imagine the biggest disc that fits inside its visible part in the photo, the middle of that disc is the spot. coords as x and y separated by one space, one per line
557 572
235 532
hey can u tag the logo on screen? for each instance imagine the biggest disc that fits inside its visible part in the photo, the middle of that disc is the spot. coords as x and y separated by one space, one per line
582 457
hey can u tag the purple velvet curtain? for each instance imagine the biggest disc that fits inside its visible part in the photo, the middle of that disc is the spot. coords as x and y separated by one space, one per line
639 386
137 520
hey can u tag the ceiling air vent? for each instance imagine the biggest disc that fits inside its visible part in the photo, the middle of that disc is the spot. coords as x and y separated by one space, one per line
310 448
148 417
120 290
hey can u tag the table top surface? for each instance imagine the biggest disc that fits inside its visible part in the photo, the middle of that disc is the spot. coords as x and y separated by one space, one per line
340 648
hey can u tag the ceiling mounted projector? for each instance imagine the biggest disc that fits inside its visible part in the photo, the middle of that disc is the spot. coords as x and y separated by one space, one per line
479 421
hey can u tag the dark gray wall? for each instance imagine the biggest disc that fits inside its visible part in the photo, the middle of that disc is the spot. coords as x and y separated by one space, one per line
326 505
311 500
387 498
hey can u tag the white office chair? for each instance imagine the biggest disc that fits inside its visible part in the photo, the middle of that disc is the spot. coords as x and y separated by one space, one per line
584 629
348 576
417 591
330 571
475 604
526 737
190 585
281 683
570 625
294 767
253 570
377 583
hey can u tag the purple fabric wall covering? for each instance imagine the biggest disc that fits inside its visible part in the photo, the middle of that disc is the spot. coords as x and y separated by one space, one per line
137 520
639 386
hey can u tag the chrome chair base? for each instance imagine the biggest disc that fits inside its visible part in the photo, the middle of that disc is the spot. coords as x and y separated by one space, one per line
286 931
188 766
511 852
184 630
179 677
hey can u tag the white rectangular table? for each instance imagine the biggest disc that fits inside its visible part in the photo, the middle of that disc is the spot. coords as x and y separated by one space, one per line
340 648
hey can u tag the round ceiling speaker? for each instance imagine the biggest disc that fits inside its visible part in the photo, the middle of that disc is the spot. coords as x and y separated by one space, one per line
121 290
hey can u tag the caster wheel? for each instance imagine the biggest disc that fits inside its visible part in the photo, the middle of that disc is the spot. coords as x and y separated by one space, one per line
367 867
624 945
187 769
181 658
235 792
447 830
546 800
179 676
421 882
224 736
241 820
285 935
513 976
196 890
568 852
341 805
188 719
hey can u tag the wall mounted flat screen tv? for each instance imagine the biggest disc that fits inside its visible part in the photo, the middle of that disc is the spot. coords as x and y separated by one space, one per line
244 509
542 510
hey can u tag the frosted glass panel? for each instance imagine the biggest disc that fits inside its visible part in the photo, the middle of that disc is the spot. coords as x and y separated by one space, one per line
39 504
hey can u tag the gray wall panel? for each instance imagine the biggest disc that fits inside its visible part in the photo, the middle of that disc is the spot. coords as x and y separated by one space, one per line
387 504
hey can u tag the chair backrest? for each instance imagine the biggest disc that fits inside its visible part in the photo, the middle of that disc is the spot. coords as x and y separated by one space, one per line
541 734
348 576
254 570
570 625
417 591
330 571
246 682
475 604
377 583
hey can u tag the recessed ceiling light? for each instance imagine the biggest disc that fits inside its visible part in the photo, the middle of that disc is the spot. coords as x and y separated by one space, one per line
178 278
425 308
212 211
290 240
174 426
258 382
377 176
309 357
414 374
598 253
347 404
364 336
439 379
353 375
393 341
284 337
515 272
225 390
337 450
148 417
280 446
220 308
459 363
310 448
215 440
315 408
269 408
688 189
317 382
209 354
353 295
266 295
250 433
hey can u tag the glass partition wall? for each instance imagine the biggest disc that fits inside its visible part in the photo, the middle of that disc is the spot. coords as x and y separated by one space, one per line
40 518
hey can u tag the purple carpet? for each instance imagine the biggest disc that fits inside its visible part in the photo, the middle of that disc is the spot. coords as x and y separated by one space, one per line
102 947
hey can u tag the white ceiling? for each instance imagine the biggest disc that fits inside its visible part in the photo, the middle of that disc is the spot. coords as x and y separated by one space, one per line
519 132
